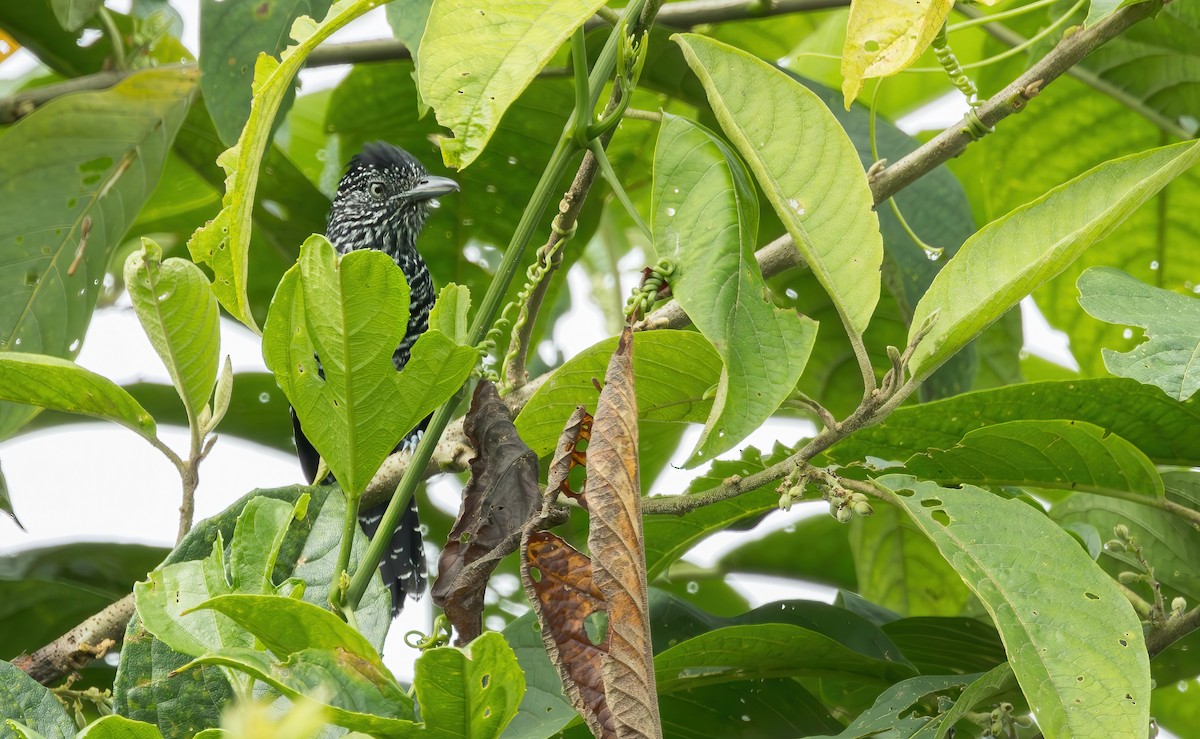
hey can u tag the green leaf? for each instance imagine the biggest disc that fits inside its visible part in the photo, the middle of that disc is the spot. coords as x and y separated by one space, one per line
449 313
1168 359
148 686
50 382
407 19
1101 9
806 166
232 35
6 502
666 389
766 650
706 221
733 709
72 14
224 243
984 692
353 693
1166 431
179 313
900 569
471 692
901 710
333 327
813 549
167 602
947 645
48 590
1007 259
1060 615
510 44
543 710
119 727
1063 455
25 700
83 164
287 626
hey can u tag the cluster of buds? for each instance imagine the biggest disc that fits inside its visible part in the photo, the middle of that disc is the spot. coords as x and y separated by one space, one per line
1002 722
844 505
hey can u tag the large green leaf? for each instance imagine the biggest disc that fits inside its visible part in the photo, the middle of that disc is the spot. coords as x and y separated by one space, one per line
333 326
813 549
232 35
119 727
72 14
469 693
1012 255
23 699
166 602
509 42
947 645
46 591
806 166
667 390
767 650
179 313
148 686
1063 455
902 710
706 221
352 694
1166 431
224 243
900 569
50 382
1077 129
72 179
1157 61
750 709
1168 359
407 19
543 709
1072 638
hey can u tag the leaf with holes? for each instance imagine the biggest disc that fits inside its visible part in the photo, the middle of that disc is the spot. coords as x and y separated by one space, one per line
180 316
884 37
469 693
72 178
232 35
806 165
330 335
224 242
509 42
1011 256
1169 359
500 496
706 221
1072 638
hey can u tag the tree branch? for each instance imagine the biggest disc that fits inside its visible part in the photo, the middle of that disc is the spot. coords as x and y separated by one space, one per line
79 646
1012 99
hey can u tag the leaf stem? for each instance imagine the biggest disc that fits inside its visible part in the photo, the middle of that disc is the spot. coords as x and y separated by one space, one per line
114 36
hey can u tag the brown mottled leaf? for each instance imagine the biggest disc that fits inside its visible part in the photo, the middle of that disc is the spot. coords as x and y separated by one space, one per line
568 455
558 578
499 498
611 683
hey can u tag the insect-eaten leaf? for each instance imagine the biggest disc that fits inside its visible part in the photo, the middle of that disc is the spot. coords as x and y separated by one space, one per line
1171 320
330 335
496 503
593 612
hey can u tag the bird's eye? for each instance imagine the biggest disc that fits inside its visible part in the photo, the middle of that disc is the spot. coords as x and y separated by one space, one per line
376 189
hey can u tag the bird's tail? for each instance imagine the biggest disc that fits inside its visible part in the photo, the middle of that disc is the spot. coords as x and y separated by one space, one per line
403 568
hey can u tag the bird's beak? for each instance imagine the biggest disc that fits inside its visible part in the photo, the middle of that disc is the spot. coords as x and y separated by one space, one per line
431 186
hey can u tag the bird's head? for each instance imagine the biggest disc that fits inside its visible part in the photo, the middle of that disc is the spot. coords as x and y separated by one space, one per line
383 200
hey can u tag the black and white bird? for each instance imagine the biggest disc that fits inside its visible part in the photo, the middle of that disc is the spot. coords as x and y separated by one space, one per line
382 203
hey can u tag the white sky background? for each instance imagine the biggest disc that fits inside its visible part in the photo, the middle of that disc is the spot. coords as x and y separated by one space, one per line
101 482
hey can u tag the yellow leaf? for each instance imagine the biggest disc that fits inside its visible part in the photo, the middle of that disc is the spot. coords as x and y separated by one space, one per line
885 36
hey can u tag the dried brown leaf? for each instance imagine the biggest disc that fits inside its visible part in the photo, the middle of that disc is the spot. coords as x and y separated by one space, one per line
498 500
558 578
611 684
568 456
